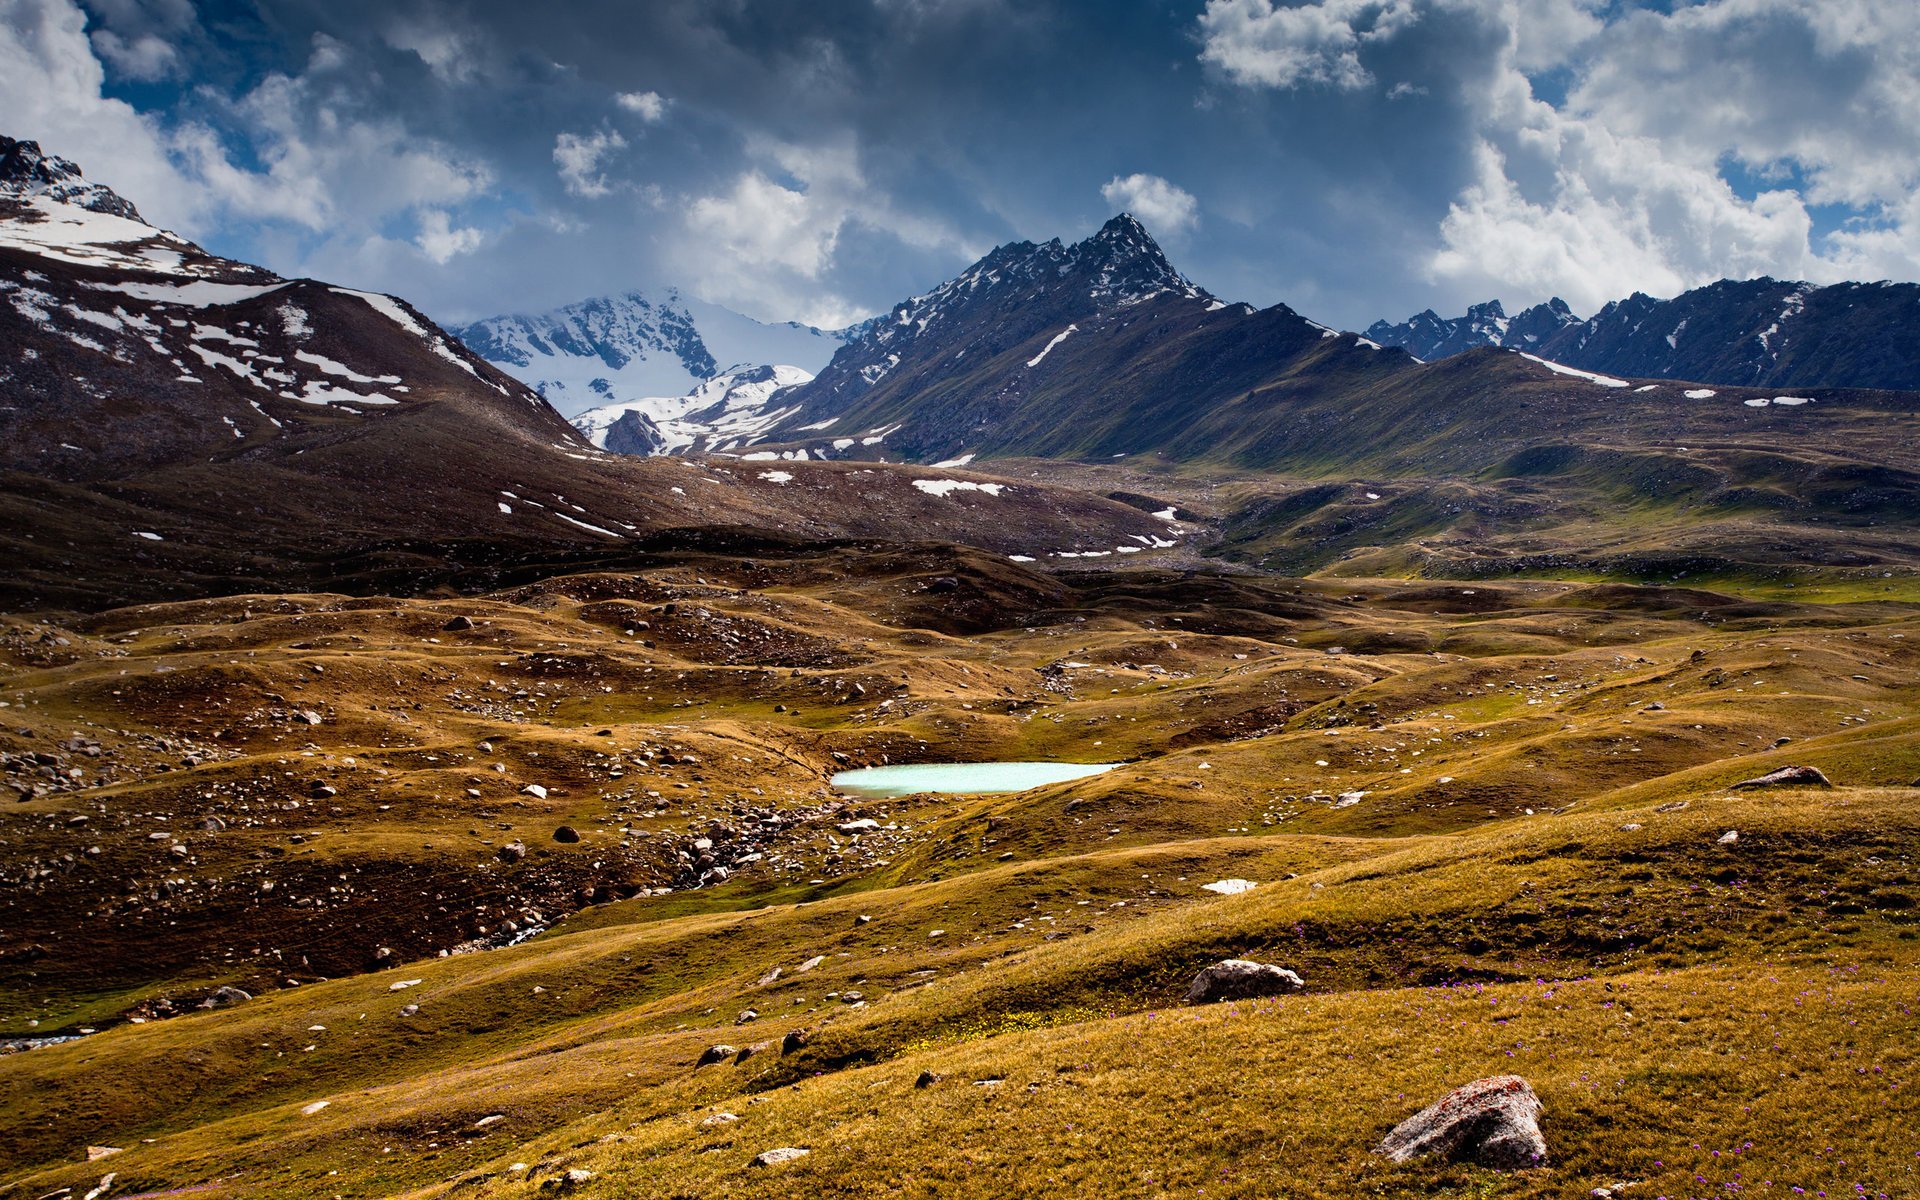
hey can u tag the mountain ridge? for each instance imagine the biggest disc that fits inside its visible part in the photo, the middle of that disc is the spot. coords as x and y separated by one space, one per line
1761 332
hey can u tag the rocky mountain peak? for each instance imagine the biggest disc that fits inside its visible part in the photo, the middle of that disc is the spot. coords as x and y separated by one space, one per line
26 171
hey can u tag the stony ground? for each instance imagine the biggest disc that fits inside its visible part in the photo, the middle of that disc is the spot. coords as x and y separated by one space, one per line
496 873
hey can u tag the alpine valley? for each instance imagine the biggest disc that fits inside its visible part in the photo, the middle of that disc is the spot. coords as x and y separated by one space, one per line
1489 750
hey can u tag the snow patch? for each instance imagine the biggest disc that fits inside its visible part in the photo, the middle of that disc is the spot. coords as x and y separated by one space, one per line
1563 369
1037 359
945 487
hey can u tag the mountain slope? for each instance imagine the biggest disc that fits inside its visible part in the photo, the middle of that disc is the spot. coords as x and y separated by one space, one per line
1764 333
632 347
1102 349
179 424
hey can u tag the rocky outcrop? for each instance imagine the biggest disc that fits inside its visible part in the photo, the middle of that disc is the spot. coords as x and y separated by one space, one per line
1492 1122
1241 979
1787 777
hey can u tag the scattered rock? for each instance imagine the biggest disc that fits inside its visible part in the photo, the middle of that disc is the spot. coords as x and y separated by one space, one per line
863 825
774 1158
1241 979
719 1118
795 1040
1492 1122
513 851
714 1054
566 833
746 1015
927 1079
96 1153
224 996
408 1010
1728 838
1671 806
315 1107
1788 777
534 790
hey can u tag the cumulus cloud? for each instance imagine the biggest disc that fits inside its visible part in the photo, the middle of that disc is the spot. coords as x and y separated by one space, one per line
648 106
578 158
440 240
51 90
1254 42
767 243
1690 145
1161 205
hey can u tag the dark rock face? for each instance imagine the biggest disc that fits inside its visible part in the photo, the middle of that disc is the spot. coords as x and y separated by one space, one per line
1241 979
1788 777
1492 1122
635 433
1737 333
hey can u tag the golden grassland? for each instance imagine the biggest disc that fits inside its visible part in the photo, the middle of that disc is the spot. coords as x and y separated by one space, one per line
1534 877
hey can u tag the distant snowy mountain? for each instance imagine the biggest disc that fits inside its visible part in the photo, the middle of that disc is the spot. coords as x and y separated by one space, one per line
724 413
1429 336
1737 333
635 348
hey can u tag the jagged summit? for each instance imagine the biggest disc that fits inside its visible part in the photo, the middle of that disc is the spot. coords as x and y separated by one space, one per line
1761 332
25 171
1014 293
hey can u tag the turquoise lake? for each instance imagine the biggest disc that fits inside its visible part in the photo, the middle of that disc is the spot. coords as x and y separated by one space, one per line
962 778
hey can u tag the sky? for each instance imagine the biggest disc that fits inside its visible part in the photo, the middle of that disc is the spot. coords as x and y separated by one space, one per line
819 160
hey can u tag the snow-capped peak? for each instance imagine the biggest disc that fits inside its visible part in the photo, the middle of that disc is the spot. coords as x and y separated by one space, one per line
726 412
48 208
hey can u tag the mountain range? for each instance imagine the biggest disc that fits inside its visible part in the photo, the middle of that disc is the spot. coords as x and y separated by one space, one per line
177 423
1765 333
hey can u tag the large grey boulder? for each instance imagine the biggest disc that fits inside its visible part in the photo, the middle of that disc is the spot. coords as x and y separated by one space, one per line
1494 1122
1241 979
775 1158
1788 777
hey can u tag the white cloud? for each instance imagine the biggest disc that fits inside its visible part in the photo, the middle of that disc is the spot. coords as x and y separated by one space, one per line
578 157
146 57
767 243
440 240
452 56
1629 183
1256 43
50 91
1167 209
649 106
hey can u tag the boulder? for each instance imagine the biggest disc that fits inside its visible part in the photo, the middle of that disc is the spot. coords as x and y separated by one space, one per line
1788 777
1241 979
513 851
774 1158
457 624
795 1040
566 833
1492 1122
223 996
714 1054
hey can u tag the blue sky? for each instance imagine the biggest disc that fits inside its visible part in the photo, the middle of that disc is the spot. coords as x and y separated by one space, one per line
818 161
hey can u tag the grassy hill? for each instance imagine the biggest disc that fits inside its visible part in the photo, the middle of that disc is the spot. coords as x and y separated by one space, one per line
1488 821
